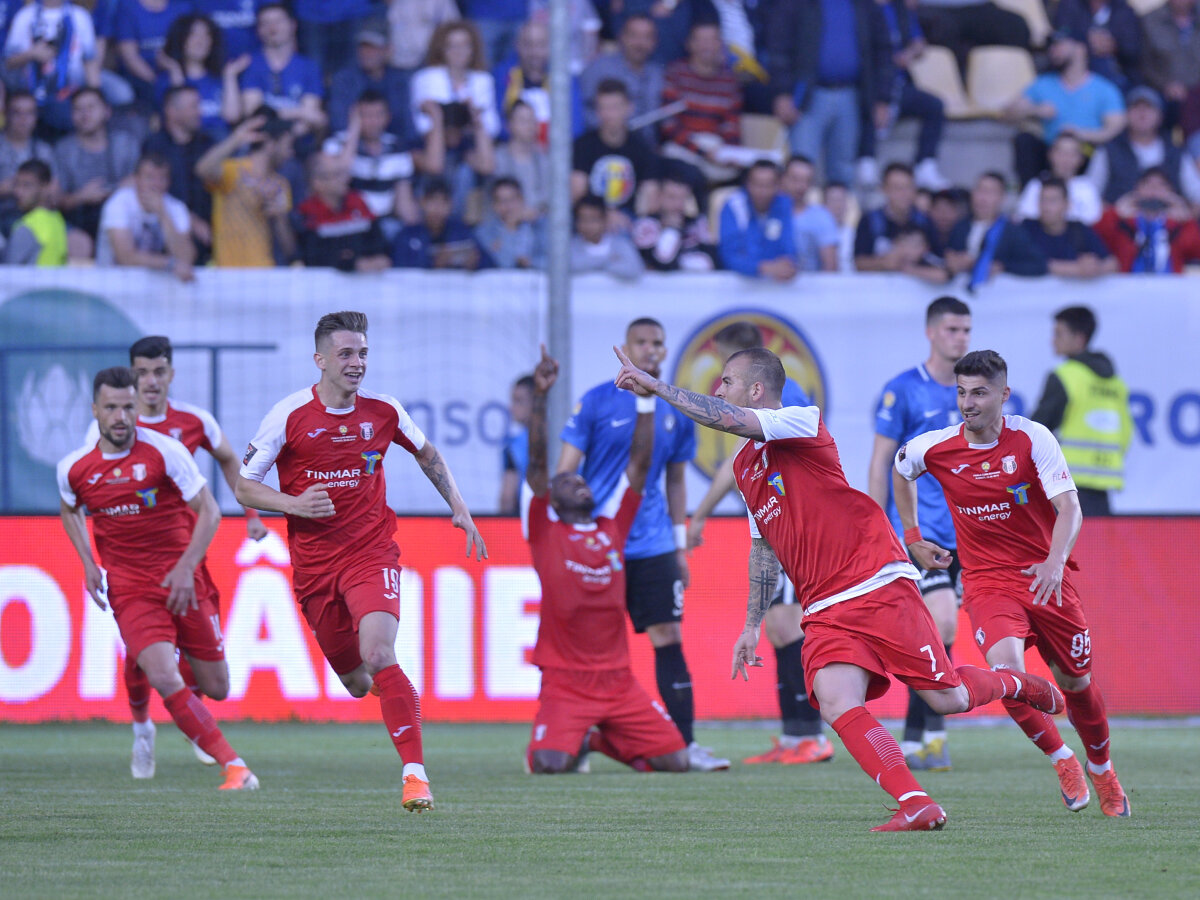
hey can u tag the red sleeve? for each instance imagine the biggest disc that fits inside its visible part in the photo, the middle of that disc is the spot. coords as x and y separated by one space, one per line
539 517
671 127
631 501
1118 243
355 201
1187 246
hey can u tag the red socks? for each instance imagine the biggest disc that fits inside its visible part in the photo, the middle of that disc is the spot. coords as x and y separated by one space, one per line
401 708
137 686
874 748
1038 726
195 721
1085 710
985 685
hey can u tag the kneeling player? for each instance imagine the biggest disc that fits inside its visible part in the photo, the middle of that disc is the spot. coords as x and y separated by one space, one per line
589 699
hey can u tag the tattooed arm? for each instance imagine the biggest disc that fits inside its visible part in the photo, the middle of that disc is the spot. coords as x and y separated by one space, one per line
710 411
764 576
440 477
537 470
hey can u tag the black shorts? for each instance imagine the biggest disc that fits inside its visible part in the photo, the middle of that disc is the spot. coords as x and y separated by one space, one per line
939 579
785 592
653 591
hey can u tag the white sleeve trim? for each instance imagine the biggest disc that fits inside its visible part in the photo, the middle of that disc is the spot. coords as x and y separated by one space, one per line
912 466
526 501
181 468
753 525
789 422
63 472
406 425
93 434
1052 468
212 430
269 440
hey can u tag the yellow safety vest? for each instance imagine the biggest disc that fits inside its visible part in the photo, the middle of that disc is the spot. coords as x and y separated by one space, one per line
50 230
1096 426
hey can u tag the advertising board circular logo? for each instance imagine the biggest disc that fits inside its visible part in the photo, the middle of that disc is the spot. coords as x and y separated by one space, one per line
698 368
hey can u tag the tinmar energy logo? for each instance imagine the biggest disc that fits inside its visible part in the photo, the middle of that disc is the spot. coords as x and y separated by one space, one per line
51 344
698 368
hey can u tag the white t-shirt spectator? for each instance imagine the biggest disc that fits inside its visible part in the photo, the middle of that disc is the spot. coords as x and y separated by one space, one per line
376 177
1083 201
433 83
37 21
122 210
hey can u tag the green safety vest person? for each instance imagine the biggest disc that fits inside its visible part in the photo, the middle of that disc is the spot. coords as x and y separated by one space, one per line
1096 427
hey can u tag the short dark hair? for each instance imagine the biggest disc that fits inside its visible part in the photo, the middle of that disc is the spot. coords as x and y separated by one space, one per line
985 363
517 104
741 334
339 321
588 201
1055 183
799 158
151 347
506 181
910 229
38 169
525 381
152 158
84 91
645 320
893 167
1154 172
762 164
19 94
1078 320
436 185
371 95
612 86
176 91
273 5
113 377
835 185
945 306
764 367
947 195
995 176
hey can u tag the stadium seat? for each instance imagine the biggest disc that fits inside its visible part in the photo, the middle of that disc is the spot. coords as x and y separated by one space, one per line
1141 7
936 71
1034 14
762 132
996 76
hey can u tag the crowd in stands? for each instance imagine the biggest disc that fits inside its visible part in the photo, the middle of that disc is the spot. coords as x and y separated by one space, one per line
368 134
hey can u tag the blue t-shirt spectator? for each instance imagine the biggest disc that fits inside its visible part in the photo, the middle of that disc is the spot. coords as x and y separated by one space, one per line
1077 240
417 247
813 228
283 89
236 19
211 91
1084 108
749 237
147 27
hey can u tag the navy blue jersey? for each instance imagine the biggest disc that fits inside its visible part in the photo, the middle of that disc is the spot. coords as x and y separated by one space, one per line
913 403
602 427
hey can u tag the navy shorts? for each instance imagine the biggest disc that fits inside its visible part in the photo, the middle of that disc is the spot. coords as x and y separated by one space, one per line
653 591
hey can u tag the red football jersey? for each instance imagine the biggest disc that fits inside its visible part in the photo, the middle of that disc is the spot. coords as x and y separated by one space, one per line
309 443
137 500
834 542
999 494
192 426
582 570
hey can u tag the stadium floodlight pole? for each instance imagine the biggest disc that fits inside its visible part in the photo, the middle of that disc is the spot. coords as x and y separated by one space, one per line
559 250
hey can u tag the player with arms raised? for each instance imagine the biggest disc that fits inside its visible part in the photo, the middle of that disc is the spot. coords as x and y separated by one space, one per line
863 616
328 442
154 518
1016 514
589 698
151 359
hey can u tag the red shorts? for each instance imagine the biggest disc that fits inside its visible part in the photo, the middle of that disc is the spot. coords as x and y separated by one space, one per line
334 603
1060 633
887 632
140 609
571 702
206 586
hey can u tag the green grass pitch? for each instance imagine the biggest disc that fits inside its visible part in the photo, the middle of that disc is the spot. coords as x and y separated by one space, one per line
328 823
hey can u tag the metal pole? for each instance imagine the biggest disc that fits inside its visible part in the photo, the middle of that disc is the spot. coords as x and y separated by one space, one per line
559 271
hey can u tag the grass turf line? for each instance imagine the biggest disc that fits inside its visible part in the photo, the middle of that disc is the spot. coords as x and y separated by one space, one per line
328 821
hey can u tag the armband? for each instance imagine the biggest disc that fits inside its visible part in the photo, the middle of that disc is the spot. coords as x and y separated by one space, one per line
912 535
646 404
680 537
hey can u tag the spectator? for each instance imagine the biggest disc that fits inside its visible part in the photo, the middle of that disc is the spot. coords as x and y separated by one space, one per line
962 25
813 228
632 65
497 22
825 58
140 29
596 249
743 31
873 248
412 24
279 77
527 78
381 172
1115 166
440 240
836 197
1151 230
1071 248
18 145
613 164
1114 36
454 74
672 21
251 199
583 30
674 238
900 98
525 159
142 225
711 118
506 236
51 52
182 144
1171 54
369 70
194 55
1068 99
946 209
326 30
910 248
470 153
39 235
236 20
756 227
1066 160
987 243
334 227
92 162
515 455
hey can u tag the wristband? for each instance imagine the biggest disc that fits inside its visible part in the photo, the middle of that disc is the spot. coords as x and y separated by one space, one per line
680 537
912 535
252 513
645 404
